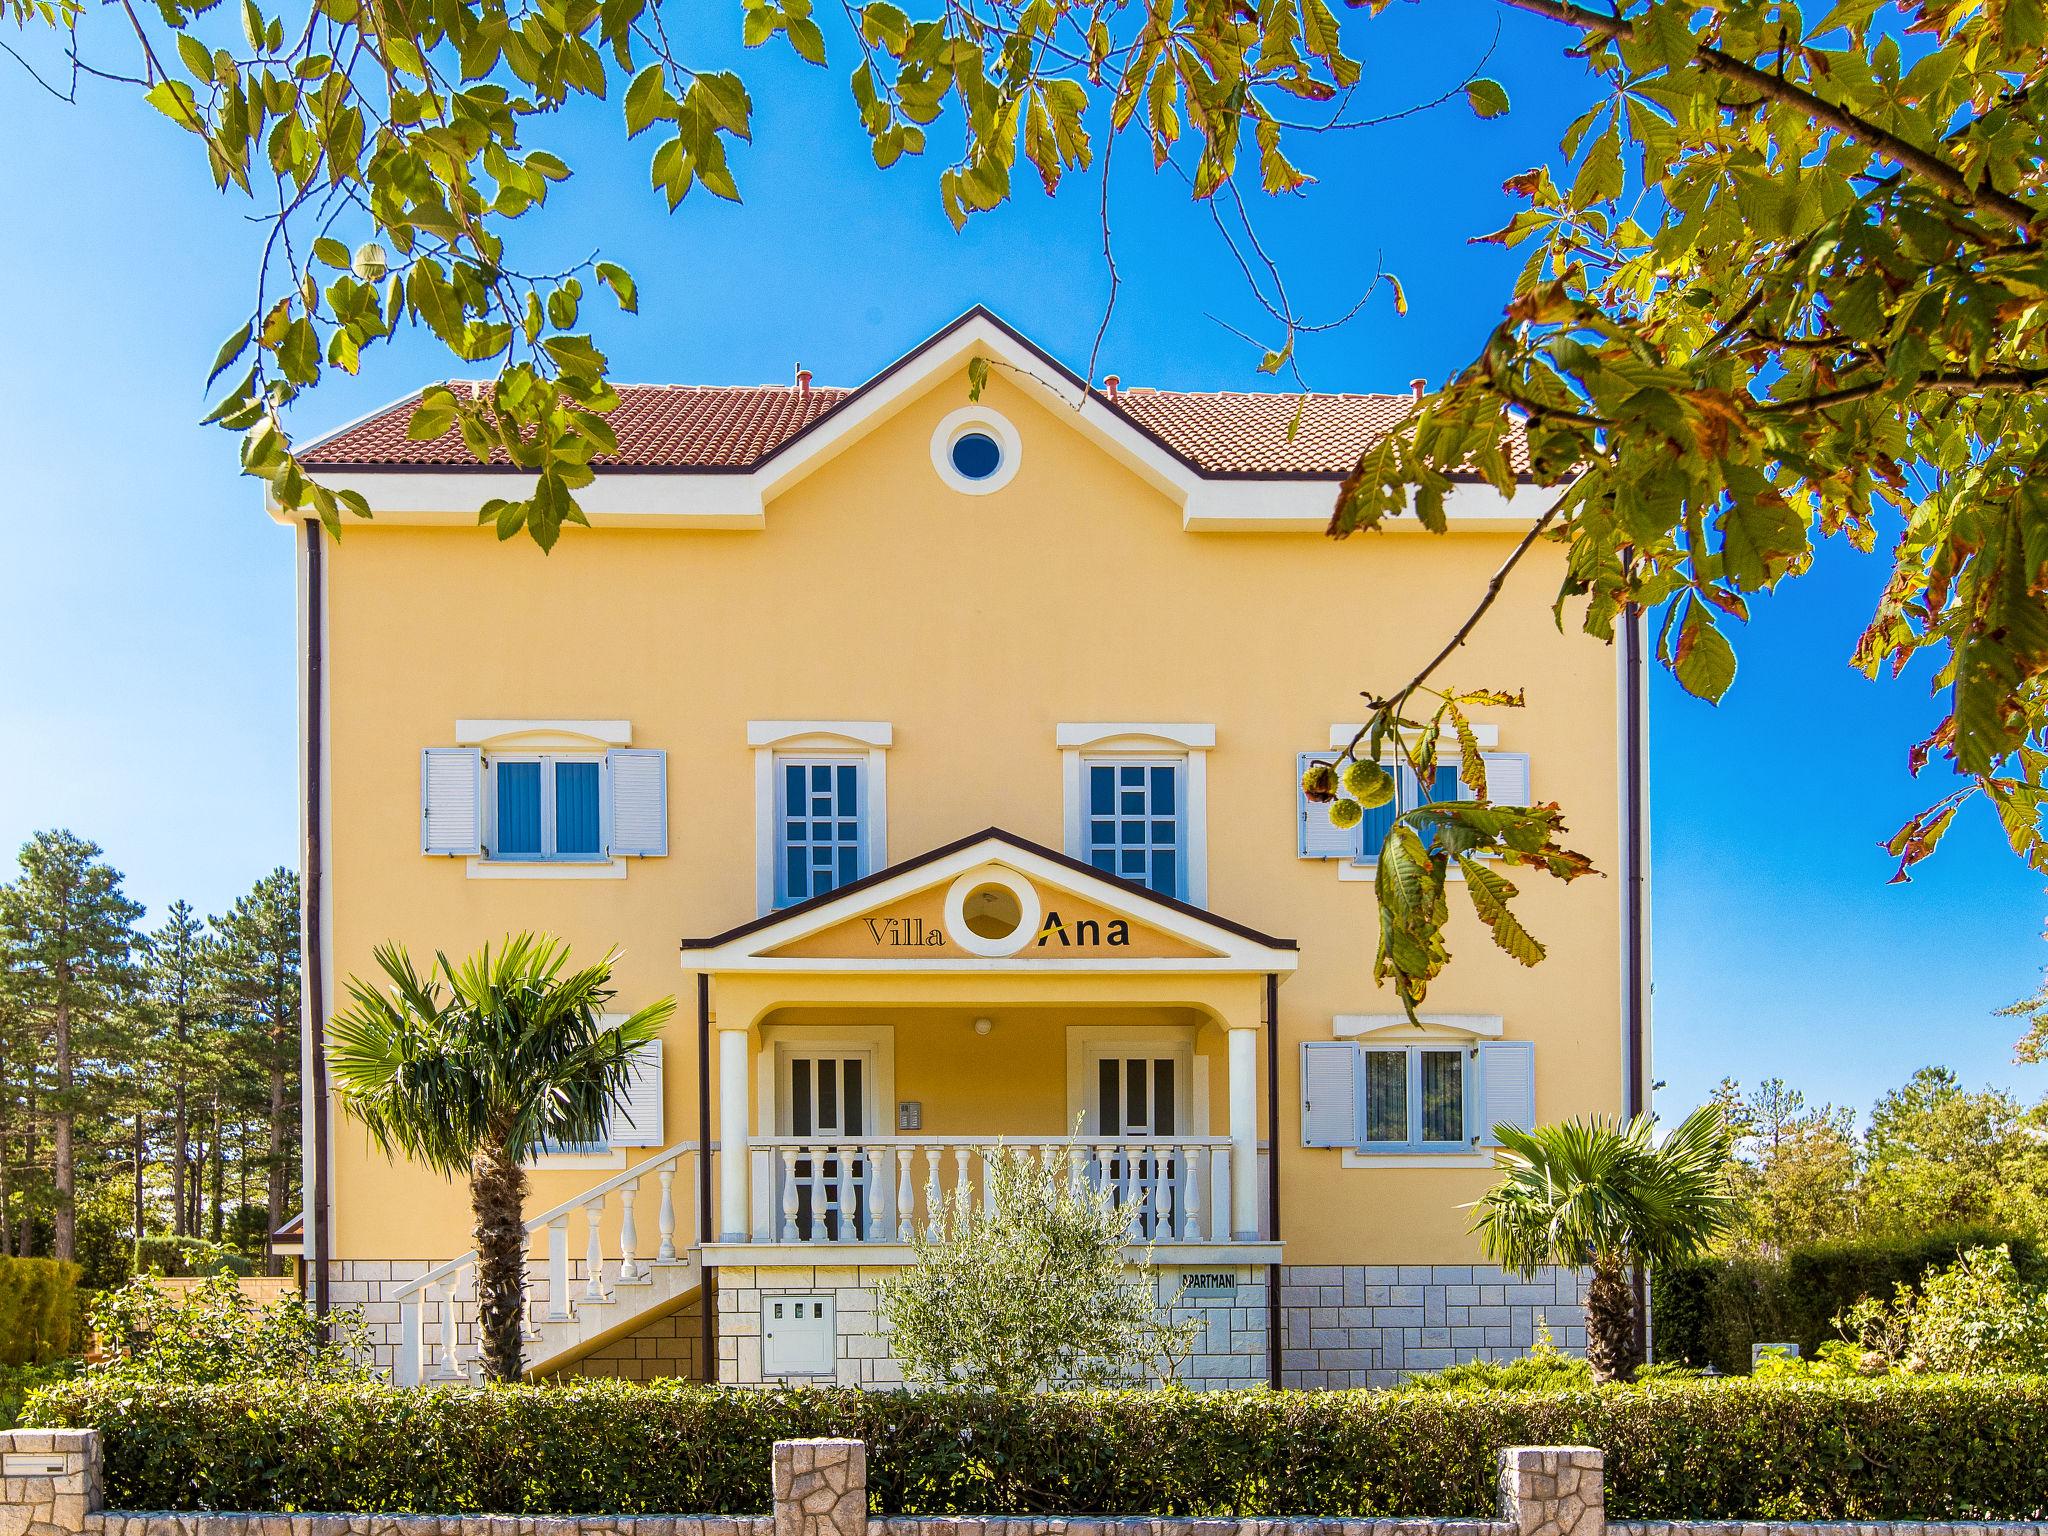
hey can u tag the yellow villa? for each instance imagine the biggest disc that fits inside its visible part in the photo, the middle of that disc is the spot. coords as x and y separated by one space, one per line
941 756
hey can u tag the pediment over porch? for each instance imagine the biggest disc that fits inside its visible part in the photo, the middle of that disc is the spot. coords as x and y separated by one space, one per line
992 901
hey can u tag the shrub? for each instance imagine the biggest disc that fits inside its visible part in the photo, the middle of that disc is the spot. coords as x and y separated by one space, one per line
213 1333
39 1316
1941 1448
17 1382
1976 1315
1030 1290
1713 1310
1545 1368
186 1256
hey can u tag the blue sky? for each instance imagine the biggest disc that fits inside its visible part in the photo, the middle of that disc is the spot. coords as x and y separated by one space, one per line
146 603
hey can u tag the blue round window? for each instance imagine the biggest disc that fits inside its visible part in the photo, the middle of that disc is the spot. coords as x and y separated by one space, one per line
976 455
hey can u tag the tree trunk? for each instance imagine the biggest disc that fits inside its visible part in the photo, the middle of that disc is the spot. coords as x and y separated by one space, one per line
497 1192
220 1171
181 1150
64 1226
138 1180
274 1188
1611 1322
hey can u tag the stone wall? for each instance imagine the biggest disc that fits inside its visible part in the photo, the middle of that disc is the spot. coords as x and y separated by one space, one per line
1353 1325
1229 1348
50 1485
1345 1325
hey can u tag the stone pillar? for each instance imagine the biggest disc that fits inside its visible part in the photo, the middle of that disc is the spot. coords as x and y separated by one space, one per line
1244 1131
821 1488
735 1212
1552 1490
49 1480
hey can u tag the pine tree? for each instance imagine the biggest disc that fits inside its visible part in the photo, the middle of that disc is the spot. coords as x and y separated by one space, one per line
68 936
255 960
176 978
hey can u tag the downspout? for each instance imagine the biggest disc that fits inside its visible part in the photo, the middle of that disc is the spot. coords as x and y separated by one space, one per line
707 1324
1273 1342
1636 901
313 964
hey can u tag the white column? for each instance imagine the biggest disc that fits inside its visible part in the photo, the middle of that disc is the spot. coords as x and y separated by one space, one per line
1244 1133
732 1136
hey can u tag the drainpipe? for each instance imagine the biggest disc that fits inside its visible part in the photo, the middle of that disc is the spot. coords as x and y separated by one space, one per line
708 1325
313 966
1636 905
1273 1343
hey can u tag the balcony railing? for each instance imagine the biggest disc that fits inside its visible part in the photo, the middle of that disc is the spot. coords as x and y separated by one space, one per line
890 1189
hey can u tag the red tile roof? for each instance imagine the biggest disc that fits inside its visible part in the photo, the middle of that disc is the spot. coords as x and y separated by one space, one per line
734 427
659 426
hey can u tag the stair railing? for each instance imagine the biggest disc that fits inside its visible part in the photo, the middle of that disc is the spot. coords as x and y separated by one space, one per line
436 1293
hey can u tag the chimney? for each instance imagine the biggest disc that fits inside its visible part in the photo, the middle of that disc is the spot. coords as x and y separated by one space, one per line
1421 388
1110 383
803 382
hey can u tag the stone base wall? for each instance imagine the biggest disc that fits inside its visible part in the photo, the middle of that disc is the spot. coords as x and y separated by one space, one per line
1352 1325
668 1346
1344 1325
1229 1347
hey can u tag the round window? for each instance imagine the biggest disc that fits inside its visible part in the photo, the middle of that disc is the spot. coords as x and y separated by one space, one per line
976 455
992 911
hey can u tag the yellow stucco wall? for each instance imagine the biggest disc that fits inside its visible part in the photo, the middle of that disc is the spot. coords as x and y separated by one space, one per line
974 625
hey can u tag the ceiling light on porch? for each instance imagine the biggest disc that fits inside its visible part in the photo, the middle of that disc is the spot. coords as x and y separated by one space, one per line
983 1026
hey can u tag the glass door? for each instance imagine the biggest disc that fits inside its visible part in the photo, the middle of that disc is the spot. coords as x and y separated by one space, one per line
825 1103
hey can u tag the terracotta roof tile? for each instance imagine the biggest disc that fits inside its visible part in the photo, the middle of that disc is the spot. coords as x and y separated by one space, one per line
734 427
659 426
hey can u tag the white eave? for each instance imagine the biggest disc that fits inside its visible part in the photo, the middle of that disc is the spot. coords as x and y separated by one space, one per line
738 499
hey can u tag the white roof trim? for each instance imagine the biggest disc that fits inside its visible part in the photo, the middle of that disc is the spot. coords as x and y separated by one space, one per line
1469 1025
727 499
1196 738
1486 735
776 733
501 733
1233 951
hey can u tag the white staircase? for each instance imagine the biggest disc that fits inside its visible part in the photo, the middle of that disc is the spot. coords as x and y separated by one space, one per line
572 1306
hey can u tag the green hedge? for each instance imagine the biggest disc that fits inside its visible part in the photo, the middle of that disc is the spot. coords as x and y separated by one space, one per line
1711 1311
1932 1448
40 1316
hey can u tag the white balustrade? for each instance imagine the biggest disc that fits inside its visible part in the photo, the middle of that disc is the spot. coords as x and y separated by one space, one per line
432 1309
889 1189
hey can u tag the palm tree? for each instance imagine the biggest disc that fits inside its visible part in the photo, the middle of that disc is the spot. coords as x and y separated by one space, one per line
472 1068
1604 1194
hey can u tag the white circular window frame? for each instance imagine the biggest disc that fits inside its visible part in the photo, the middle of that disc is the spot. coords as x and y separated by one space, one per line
976 418
1029 913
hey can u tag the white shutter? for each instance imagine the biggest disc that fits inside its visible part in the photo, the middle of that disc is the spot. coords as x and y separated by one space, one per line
636 1114
451 800
1507 1086
639 803
1507 777
1316 838
1329 1093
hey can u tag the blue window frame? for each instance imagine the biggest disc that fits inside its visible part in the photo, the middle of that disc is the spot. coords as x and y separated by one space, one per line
1137 823
820 826
1415 1098
546 807
1372 831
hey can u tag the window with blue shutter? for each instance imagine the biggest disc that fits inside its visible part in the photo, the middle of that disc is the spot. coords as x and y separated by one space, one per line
1137 823
1445 784
546 807
820 826
519 821
578 812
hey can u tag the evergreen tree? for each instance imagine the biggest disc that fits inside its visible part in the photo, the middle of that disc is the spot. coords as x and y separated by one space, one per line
68 935
176 980
255 964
